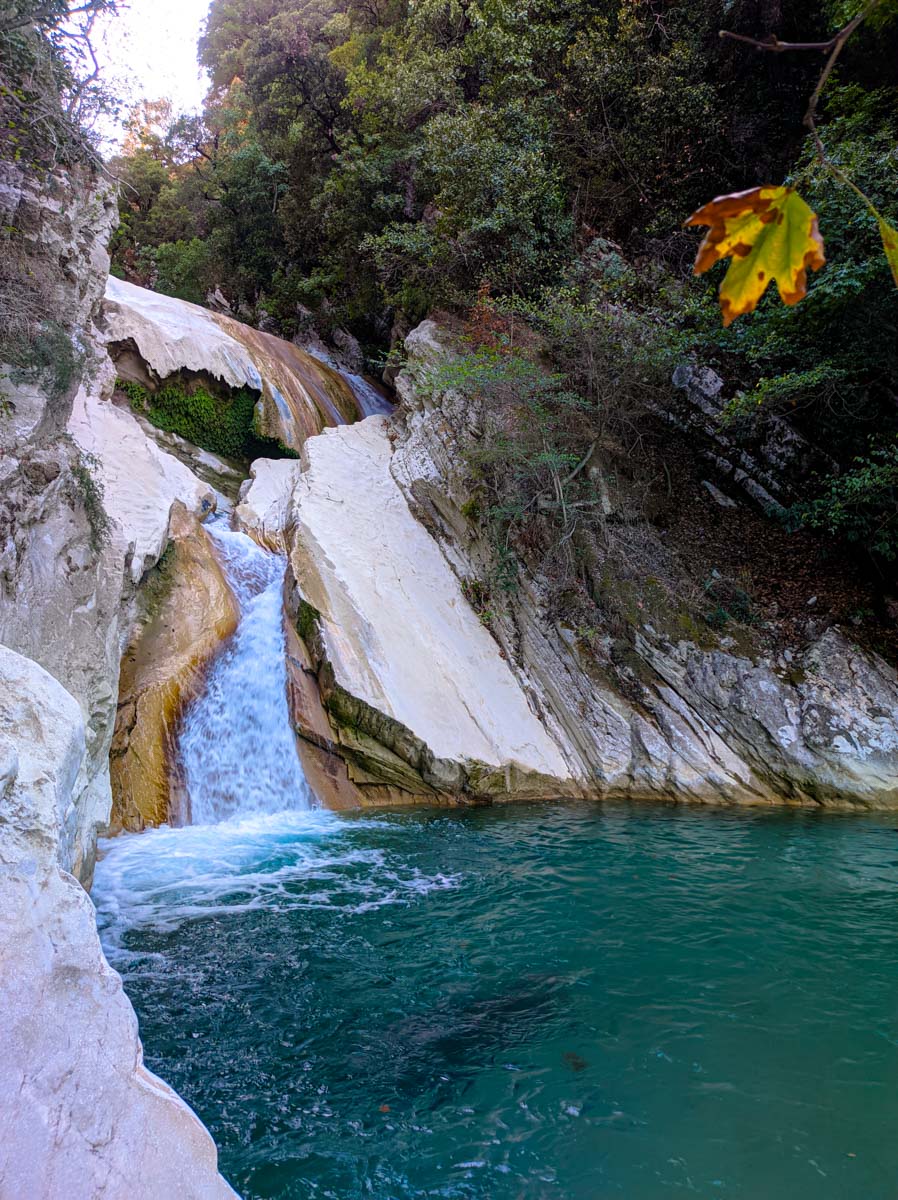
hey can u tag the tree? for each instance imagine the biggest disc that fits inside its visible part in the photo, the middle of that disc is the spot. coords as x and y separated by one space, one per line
50 87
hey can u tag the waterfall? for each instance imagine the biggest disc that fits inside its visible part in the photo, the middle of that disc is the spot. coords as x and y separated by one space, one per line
237 745
371 402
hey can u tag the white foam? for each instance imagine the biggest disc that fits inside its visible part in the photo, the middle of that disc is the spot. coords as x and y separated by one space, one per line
237 745
160 879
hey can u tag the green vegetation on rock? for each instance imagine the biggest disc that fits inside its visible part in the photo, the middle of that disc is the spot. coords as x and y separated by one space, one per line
223 424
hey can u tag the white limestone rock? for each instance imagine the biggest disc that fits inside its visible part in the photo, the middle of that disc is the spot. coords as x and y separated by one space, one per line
265 499
140 482
172 334
399 633
80 1115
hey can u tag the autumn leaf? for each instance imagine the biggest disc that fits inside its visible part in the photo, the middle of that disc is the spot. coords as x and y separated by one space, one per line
771 234
890 245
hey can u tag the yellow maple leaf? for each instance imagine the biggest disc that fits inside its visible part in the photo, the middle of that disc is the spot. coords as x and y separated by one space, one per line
890 245
771 234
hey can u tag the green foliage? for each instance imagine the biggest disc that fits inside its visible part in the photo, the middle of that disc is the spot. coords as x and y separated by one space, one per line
370 161
861 505
50 90
47 359
498 209
392 155
831 362
89 490
222 425
185 269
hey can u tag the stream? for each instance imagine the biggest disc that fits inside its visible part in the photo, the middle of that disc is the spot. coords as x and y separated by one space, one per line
533 1002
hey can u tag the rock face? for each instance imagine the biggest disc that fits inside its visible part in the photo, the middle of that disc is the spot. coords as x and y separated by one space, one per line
690 723
80 1115
760 454
827 731
84 512
419 702
190 611
398 636
299 394
58 592
137 481
70 570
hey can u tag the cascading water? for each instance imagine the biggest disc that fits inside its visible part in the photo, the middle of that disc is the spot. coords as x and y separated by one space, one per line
371 402
237 747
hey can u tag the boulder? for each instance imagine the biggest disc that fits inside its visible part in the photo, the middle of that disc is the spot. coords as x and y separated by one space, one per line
263 510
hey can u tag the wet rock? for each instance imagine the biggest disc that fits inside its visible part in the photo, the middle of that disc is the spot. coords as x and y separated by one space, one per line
191 611
299 394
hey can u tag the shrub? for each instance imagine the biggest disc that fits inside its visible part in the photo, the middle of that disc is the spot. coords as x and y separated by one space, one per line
861 505
90 493
47 359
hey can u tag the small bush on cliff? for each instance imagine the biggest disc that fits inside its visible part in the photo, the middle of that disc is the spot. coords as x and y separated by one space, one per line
89 490
860 505
47 358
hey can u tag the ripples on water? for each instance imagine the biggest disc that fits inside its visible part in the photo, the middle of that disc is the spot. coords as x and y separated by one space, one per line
532 1003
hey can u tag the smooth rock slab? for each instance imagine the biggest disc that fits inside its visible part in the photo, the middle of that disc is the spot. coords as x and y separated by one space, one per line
398 630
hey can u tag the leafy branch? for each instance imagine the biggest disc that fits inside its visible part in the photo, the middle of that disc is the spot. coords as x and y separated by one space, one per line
770 232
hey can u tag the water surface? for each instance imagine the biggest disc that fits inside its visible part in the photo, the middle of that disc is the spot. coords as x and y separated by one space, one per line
527 1003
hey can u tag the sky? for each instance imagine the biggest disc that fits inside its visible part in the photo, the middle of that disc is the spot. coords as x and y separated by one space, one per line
148 52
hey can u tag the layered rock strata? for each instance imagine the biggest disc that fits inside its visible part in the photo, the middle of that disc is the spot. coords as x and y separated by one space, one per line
690 722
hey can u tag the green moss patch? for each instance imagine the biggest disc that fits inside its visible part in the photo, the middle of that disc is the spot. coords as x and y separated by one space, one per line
222 424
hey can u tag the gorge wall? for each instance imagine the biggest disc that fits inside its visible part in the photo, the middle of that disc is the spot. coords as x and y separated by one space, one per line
383 551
